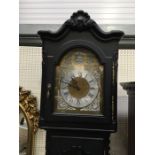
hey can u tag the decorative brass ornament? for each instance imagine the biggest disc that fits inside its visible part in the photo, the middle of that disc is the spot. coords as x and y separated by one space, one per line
28 106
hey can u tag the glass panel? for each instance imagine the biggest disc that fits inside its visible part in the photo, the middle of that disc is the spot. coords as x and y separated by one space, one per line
79 83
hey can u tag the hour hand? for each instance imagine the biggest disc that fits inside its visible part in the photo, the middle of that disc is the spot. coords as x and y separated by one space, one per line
66 82
76 87
73 85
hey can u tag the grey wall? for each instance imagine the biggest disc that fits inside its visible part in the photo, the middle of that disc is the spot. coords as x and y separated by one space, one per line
57 11
50 14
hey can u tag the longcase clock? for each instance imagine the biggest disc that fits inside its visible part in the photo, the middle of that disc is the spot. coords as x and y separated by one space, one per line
79 87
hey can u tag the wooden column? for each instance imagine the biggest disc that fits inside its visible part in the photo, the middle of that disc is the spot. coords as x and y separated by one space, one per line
130 88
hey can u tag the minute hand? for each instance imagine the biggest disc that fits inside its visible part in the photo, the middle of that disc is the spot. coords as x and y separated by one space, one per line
72 85
76 84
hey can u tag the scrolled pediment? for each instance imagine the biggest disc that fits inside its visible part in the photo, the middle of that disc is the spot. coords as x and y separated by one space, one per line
80 21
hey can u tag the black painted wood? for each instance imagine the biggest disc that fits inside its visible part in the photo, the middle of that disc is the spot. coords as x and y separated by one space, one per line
130 88
79 31
65 142
126 42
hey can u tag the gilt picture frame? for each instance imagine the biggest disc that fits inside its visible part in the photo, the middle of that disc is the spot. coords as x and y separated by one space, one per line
28 107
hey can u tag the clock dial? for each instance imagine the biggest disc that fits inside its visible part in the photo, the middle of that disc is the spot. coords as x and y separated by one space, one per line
79 83
79 89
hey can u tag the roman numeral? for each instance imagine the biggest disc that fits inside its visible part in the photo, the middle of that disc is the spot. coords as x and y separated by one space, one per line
80 74
92 88
90 81
64 81
70 100
65 87
66 93
78 102
86 100
90 95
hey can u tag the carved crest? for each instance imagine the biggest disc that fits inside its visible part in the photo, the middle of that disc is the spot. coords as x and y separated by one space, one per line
80 21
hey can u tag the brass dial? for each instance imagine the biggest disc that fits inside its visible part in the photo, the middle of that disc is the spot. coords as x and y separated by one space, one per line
79 83
78 87
78 91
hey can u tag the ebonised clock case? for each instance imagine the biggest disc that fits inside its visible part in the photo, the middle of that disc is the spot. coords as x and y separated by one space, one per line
80 31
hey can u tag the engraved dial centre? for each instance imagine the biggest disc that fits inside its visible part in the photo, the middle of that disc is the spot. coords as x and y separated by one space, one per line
78 87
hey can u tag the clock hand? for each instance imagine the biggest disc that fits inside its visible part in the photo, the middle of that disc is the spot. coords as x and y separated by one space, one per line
72 85
75 86
76 83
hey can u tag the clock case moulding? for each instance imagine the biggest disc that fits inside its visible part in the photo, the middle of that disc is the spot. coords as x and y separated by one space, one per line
80 31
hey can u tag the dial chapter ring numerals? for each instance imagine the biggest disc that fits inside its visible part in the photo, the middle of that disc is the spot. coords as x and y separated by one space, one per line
78 88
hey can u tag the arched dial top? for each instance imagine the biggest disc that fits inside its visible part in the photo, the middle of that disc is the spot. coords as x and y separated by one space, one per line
79 83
